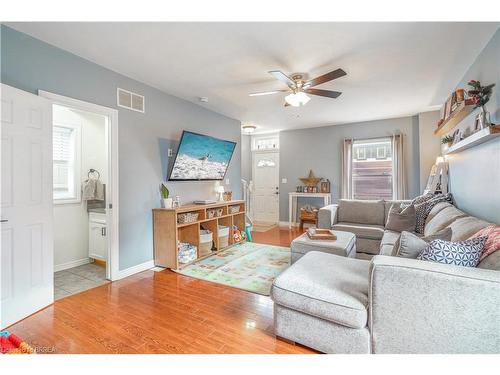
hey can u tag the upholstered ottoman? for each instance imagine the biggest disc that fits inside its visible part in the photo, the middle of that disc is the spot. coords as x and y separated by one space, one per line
344 245
321 301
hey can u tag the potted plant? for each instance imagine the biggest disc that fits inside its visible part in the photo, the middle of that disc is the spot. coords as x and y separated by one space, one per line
167 202
447 140
480 95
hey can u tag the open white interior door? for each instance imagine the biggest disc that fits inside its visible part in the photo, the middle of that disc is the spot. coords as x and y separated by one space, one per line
26 263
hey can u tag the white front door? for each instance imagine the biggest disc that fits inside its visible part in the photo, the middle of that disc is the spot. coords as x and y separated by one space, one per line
27 266
266 186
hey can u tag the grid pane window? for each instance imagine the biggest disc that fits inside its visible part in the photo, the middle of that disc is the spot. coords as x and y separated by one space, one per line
64 155
372 169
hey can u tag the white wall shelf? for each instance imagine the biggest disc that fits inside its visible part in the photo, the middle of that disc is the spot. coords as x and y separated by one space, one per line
475 139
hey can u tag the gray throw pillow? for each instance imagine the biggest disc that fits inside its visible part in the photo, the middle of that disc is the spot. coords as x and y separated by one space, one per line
401 219
410 245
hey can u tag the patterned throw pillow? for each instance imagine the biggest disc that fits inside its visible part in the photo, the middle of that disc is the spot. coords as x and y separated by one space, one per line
464 253
492 243
418 200
423 209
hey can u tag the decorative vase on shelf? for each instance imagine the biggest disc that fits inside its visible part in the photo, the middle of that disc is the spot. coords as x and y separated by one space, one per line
484 118
167 202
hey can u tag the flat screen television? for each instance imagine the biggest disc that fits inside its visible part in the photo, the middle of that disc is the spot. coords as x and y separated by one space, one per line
201 158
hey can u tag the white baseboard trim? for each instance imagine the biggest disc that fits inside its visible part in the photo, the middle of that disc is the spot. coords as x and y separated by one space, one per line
135 269
73 263
285 224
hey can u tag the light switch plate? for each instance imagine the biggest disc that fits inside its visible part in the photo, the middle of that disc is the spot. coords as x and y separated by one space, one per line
227 181
284 180
170 153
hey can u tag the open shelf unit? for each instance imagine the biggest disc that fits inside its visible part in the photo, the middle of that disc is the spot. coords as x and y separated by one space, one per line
461 112
167 230
475 139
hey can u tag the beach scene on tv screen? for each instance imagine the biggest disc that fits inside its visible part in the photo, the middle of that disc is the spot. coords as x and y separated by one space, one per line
201 158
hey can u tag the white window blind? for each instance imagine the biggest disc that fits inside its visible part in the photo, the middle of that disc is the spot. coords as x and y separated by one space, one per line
64 157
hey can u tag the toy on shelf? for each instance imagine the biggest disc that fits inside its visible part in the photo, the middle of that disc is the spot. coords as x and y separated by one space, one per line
238 235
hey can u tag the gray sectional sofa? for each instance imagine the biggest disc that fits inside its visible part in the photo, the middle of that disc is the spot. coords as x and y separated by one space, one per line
389 304
365 218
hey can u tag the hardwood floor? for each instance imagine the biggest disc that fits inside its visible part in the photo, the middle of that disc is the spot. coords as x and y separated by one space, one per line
160 312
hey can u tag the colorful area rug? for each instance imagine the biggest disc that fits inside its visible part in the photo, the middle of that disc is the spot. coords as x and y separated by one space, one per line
249 266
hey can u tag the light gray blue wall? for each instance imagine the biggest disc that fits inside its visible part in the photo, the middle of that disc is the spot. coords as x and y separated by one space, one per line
475 173
246 157
319 149
30 65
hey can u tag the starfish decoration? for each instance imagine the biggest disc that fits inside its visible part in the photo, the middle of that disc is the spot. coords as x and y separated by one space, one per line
310 180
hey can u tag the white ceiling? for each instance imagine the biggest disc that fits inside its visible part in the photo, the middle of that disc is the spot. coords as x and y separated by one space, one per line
393 69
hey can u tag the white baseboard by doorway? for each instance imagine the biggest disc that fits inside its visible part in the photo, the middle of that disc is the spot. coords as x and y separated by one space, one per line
73 263
134 269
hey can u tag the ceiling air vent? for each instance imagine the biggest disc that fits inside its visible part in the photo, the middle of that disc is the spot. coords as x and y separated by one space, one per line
130 100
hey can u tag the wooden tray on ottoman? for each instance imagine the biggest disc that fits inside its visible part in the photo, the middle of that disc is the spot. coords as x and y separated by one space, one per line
321 234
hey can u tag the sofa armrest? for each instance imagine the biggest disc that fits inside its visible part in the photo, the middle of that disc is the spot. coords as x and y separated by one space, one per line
327 216
424 307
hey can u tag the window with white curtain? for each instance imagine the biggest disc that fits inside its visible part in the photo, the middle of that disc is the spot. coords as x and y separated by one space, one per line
372 172
66 159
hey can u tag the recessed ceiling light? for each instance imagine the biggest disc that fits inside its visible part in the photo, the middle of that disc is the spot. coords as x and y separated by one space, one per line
203 99
249 128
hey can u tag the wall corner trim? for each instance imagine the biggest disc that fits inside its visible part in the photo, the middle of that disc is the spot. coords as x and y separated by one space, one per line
134 269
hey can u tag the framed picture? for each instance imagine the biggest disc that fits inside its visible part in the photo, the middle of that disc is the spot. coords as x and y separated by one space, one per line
477 123
456 136
447 110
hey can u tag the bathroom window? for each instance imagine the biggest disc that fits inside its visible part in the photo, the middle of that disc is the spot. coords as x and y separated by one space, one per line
66 147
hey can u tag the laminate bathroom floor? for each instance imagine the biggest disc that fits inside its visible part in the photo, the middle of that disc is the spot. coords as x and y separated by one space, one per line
78 279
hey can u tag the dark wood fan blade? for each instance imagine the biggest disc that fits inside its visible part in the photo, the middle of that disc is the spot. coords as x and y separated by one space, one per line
324 78
267 92
280 76
327 93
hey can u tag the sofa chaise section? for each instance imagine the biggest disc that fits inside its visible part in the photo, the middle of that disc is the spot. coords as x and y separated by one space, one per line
322 302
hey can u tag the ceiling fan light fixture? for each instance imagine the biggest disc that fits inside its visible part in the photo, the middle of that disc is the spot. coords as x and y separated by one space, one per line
297 99
248 129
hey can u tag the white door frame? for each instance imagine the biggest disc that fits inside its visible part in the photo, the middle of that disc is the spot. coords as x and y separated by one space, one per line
112 215
266 151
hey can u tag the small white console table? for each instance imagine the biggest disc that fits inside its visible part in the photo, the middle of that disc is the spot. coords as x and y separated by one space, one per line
292 203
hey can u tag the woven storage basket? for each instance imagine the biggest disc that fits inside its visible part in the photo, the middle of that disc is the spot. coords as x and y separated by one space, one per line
206 240
223 241
234 209
214 212
187 217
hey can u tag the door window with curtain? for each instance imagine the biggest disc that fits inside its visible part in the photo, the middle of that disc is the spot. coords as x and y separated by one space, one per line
372 169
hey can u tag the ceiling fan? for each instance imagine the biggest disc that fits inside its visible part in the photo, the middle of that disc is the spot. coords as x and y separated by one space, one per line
298 88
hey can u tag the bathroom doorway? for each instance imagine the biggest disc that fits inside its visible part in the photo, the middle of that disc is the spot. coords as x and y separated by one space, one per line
84 195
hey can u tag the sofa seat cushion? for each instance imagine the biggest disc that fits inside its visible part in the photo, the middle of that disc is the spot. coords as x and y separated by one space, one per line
361 211
373 232
444 218
326 286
